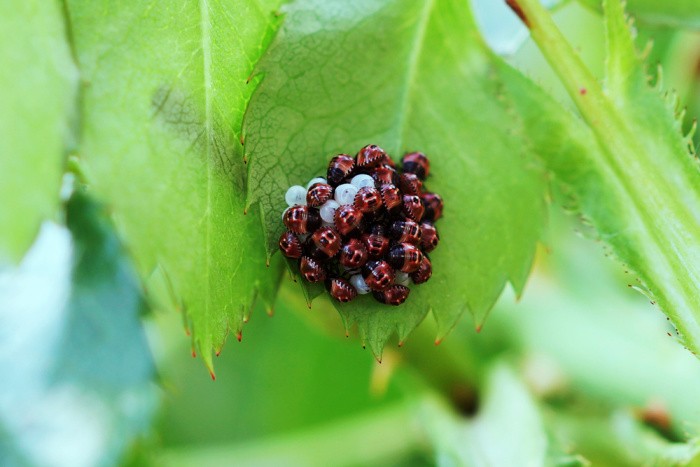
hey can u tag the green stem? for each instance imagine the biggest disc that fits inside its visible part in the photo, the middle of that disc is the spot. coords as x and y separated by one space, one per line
452 365
370 439
652 174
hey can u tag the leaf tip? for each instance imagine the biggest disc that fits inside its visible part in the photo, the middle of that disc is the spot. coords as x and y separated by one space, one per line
248 204
208 363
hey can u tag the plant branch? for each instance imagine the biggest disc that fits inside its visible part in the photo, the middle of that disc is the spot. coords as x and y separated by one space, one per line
369 439
642 159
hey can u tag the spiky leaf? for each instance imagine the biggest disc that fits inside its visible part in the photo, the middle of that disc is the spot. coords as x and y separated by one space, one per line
637 181
508 412
164 94
413 76
37 87
685 13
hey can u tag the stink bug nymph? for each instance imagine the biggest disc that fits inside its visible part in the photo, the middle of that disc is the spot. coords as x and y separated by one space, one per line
327 241
341 289
405 257
290 246
394 295
368 200
376 242
339 168
413 207
347 219
433 206
311 270
318 194
416 163
378 275
391 198
429 237
353 254
424 271
410 184
370 156
406 231
385 175
302 219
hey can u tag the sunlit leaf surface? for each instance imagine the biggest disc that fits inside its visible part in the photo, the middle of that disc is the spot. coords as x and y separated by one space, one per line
413 76
163 97
628 169
37 91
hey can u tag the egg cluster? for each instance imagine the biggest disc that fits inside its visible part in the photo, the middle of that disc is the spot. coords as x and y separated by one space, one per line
366 227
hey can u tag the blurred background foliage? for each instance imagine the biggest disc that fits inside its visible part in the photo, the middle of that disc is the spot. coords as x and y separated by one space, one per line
582 369
593 356
612 397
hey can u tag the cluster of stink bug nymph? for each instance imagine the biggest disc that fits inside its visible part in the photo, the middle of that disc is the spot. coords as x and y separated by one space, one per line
367 227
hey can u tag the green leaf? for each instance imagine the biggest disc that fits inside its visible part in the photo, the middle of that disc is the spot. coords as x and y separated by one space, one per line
384 436
683 13
508 413
618 439
74 348
164 94
600 344
638 183
415 76
289 375
508 430
37 88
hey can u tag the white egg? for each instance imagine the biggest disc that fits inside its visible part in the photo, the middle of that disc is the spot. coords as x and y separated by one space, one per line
362 180
327 211
402 278
345 193
295 195
358 282
315 180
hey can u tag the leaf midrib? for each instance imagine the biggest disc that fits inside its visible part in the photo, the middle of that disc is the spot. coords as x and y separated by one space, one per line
412 67
621 149
205 25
